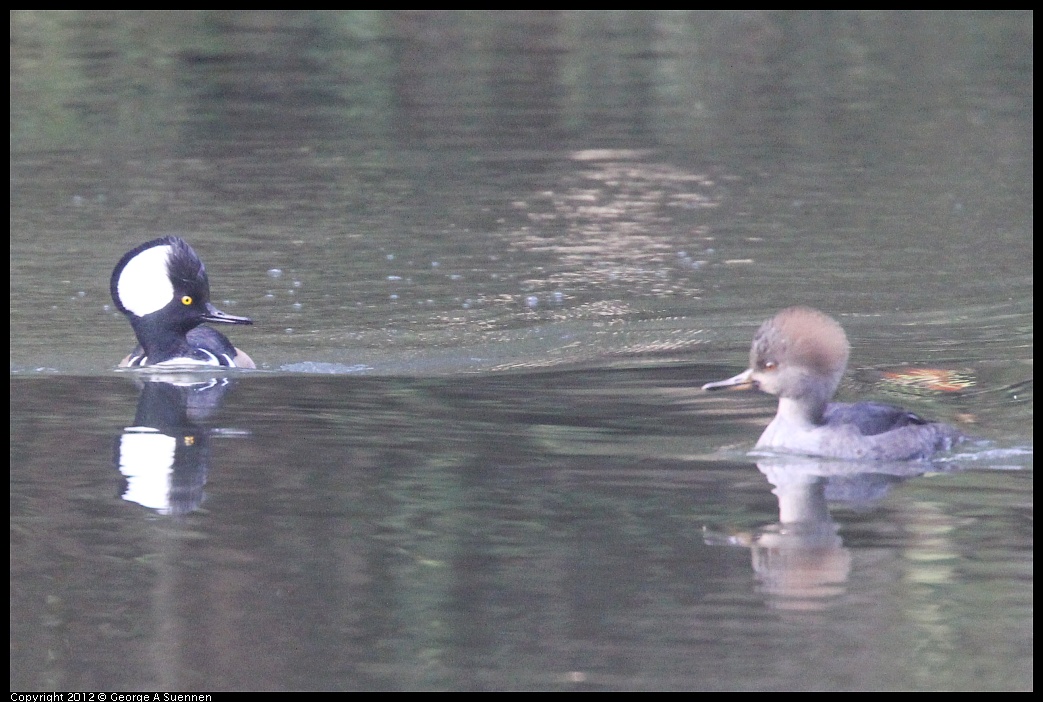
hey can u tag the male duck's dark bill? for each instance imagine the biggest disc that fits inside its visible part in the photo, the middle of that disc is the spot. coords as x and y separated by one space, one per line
215 315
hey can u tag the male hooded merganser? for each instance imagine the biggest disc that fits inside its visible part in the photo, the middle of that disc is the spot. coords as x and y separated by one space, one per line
162 288
800 355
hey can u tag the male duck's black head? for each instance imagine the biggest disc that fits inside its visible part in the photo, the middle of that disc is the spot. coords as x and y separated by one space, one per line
162 288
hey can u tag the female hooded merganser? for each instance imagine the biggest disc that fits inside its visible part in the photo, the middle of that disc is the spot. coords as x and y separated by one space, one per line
162 288
800 355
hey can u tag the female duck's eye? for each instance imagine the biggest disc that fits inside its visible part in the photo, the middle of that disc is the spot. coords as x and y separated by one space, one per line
186 300
770 365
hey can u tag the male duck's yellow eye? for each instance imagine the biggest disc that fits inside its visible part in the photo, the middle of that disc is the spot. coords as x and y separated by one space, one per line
186 300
